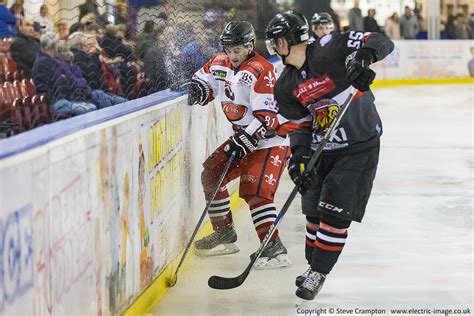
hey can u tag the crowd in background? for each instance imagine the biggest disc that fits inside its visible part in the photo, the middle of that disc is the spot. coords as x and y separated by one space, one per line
94 63
411 24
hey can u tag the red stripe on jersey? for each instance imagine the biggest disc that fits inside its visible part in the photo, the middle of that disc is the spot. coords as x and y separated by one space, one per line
286 128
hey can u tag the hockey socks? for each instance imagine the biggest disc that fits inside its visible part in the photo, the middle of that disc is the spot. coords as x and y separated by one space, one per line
328 246
263 216
219 213
311 230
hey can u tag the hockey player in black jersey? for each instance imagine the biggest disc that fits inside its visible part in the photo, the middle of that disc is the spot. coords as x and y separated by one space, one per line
316 80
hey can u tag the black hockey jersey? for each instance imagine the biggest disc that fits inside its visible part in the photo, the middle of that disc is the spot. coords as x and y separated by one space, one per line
308 98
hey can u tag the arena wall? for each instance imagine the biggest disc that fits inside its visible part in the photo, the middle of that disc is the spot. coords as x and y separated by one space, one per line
94 208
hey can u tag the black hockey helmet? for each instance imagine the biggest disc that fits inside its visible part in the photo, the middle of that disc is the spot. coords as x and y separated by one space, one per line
236 33
321 18
290 25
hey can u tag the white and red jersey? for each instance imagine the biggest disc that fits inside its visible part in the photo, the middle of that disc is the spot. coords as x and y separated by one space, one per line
246 95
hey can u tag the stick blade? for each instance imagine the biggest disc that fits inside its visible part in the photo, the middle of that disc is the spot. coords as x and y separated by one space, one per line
222 283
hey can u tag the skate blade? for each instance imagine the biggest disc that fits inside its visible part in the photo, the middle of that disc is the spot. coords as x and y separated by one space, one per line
279 262
224 249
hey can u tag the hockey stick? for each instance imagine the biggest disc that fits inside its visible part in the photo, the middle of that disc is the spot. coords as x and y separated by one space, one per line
223 283
174 277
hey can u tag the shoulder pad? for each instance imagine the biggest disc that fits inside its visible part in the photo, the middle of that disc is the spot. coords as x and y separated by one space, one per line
256 65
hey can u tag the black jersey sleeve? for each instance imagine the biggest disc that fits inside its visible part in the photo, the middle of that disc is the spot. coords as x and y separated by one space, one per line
379 44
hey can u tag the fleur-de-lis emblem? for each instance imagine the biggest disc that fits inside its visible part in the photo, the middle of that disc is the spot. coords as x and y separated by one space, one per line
270 179
271 79
275 160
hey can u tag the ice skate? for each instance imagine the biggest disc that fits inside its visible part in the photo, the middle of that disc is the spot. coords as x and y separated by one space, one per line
274 256
300 278
220 242
311 285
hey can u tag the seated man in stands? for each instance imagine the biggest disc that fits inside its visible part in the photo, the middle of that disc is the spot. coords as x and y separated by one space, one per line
86 55
25 47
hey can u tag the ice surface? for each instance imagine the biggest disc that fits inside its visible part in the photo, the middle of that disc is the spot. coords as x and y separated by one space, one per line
414 247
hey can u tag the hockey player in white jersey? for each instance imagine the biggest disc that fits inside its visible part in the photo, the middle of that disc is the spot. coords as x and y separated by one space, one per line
243 81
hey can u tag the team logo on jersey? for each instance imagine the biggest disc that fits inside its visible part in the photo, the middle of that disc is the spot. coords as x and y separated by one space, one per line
323 112
233 112
270 179
275 160
245 79
313 89
270 78
219 74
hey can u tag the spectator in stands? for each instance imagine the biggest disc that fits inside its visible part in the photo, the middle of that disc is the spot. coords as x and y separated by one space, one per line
356 21
461 27
392 26
117 53
471 25
148 36
113 44
25 47
442 30
44 21
451 27
422 31
50 79
121 13
7 21
154 64
90 6
86 55
63 56
408 24
18 10
63 30
370 24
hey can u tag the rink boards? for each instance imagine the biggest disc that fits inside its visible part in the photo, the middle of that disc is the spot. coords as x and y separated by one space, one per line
94 209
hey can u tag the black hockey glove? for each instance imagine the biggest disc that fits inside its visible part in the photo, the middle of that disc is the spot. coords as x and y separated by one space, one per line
358 72
242 143
198 91
297 165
